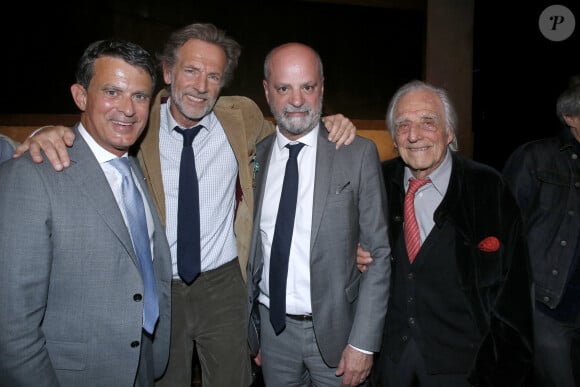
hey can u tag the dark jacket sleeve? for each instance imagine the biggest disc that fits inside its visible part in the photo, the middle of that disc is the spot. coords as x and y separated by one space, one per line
505 292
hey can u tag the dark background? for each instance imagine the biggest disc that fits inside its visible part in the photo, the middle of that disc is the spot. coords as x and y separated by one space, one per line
518 75
368 51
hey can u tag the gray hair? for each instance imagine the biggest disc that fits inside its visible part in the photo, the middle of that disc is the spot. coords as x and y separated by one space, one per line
568 103
450 114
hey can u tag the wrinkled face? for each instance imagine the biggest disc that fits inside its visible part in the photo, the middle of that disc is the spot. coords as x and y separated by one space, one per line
116 105
420 133
195 80
294 90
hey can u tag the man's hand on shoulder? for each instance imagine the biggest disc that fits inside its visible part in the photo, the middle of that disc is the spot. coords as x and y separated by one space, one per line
341 130
53 140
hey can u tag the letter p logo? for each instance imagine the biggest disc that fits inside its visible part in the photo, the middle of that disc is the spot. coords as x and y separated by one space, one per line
557 23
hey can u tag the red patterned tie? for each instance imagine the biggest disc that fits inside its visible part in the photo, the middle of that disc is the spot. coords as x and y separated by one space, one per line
412 236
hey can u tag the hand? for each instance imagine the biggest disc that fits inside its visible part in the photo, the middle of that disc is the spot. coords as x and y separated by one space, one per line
354 366
258 358
53 140
340 129
363 259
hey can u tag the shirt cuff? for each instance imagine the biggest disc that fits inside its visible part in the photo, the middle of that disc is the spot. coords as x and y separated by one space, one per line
361 350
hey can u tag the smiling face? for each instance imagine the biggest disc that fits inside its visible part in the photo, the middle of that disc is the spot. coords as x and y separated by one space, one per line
294 89
420 131
196 81
116 104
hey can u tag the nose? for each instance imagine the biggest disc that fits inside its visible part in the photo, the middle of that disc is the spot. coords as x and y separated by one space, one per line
414 132
200 83
296 99
126 106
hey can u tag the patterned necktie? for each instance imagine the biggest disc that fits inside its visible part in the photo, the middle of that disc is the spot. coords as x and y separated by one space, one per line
282 240
412 235
188 224
137 223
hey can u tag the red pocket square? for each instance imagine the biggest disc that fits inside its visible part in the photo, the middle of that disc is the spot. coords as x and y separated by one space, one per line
489 244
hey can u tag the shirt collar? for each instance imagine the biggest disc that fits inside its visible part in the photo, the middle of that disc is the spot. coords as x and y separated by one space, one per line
308 139
439 177
102 155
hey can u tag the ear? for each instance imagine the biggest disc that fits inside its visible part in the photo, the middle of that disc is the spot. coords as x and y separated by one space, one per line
79 95
266 92
450 135
166 74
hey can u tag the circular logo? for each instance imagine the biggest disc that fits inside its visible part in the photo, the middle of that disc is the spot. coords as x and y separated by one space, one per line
557 23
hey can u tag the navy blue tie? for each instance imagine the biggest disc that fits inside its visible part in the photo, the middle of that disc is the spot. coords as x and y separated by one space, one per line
137 223
188 229
282 240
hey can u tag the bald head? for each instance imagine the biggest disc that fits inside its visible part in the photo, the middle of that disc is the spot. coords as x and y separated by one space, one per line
292 53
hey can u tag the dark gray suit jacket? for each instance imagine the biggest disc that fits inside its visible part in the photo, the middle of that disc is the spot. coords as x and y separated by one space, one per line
71 311
348 307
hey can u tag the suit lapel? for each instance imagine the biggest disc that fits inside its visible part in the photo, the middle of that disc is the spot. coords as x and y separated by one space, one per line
263 153
230 117
324 160
149 157
90 179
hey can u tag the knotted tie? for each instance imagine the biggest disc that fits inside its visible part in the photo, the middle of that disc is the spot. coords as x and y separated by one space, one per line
282 240
137 223
188 228
412 236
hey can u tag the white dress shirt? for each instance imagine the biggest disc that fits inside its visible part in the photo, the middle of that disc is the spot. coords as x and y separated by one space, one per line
298 283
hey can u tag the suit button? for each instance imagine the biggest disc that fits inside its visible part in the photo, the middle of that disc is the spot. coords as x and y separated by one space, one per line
410 299
134 344
137 297
404 338
411 321
411 275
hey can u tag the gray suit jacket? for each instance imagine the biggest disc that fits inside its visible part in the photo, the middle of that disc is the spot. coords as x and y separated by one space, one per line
349 206
71 310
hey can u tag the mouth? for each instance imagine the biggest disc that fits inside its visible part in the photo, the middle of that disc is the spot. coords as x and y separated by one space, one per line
120 123
194 99
296 114
418 149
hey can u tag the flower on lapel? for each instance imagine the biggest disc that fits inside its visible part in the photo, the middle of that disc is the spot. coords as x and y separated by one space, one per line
255 169
489 244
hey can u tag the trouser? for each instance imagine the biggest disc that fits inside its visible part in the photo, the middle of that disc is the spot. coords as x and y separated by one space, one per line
292 358
210 315
411 371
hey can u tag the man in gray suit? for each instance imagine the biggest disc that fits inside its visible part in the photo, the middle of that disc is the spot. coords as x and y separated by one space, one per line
332 316
73 285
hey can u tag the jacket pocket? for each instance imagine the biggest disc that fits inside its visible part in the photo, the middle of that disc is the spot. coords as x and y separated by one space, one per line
67 355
